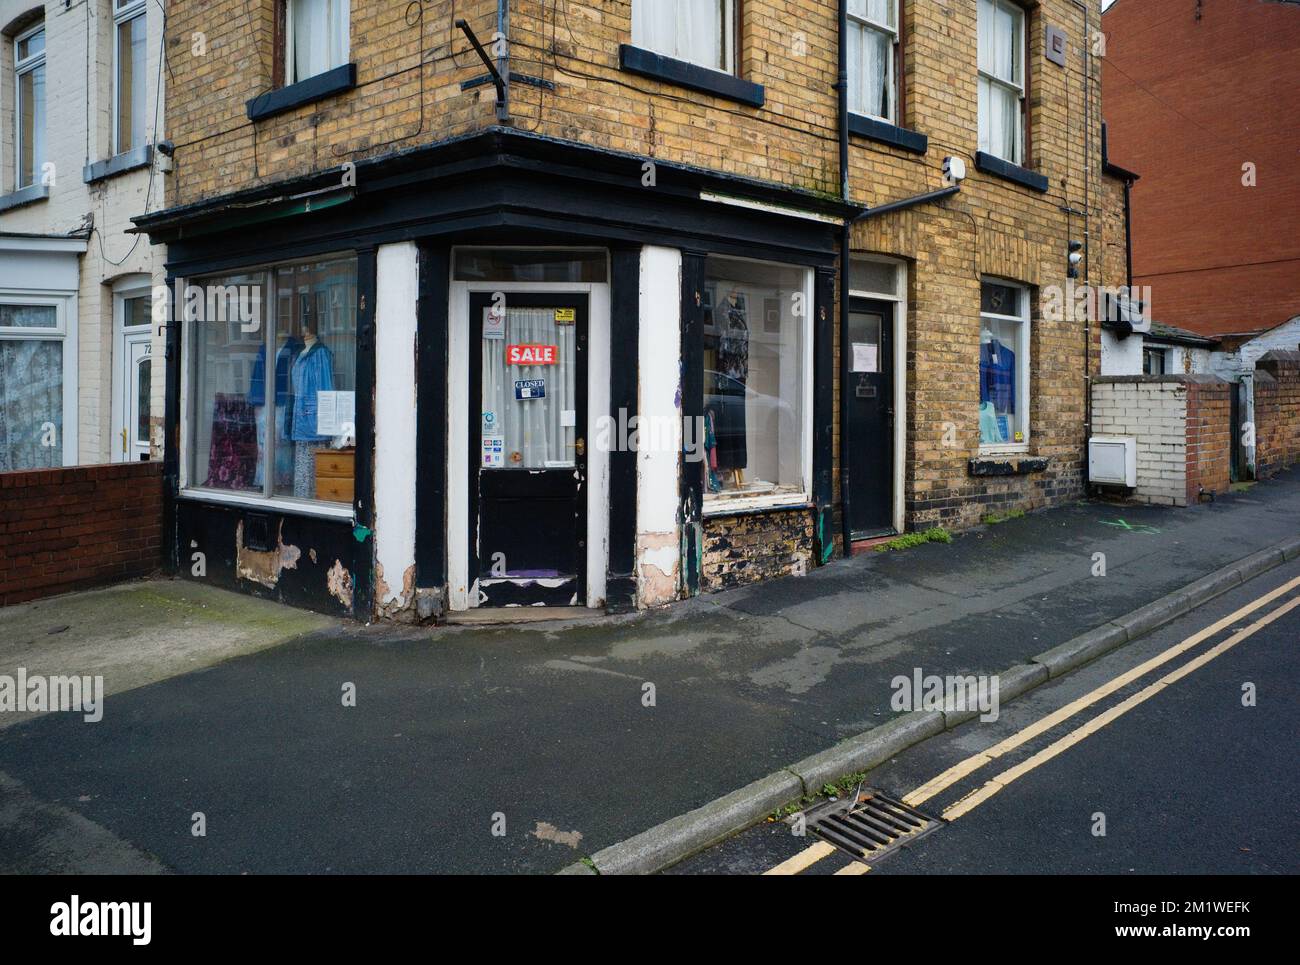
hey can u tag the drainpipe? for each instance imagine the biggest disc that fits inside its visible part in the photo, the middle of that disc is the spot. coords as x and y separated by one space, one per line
503 59
1128 236
846 232
1087 235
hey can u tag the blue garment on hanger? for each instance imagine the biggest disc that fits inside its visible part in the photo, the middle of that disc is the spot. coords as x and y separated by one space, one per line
283 363
998 376
313 371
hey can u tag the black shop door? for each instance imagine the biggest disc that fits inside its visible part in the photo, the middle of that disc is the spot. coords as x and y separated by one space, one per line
869 409
528 466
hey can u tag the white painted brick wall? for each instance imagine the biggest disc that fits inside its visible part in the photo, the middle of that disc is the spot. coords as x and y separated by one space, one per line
1155 413
76 36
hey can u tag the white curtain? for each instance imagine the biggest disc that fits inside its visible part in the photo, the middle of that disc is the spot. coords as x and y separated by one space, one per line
31 394
534 428
320 36
690 30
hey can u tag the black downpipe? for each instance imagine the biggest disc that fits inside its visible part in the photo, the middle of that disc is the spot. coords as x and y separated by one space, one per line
842 86
1128 236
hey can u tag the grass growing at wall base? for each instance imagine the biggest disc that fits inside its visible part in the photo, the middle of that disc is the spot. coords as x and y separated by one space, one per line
936 535
992 519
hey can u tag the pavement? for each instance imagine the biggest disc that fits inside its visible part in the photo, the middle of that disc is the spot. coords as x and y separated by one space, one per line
523 748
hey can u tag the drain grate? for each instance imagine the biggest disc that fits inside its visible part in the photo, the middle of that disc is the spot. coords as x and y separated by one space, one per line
872 827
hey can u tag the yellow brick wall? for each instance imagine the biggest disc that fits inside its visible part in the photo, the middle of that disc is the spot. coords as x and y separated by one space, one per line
410 62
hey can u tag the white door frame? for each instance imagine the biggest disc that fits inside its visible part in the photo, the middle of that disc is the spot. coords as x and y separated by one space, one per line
124 337
462 592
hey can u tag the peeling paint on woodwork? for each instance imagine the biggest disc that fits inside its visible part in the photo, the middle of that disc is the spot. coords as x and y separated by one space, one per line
260 566
339 581
658 559
361 533
393 606
312 553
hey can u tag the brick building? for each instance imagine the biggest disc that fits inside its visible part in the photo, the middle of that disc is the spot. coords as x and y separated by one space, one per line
464 272
79 114
1201 100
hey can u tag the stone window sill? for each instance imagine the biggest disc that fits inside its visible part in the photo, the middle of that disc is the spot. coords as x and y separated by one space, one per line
24 196
132 160
307 91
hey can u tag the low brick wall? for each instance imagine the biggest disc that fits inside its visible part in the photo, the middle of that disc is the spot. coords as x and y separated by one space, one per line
1182 424
69 529
1277 412
747 548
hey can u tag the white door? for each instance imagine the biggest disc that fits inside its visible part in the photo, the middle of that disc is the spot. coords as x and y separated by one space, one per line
132 380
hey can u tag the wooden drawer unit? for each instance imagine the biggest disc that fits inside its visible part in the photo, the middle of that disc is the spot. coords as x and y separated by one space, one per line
335 470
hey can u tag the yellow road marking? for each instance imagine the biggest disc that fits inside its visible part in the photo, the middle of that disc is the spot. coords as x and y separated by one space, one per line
973 763
854 868
997 783
804 859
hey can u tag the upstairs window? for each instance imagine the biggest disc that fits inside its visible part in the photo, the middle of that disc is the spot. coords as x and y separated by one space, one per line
872 54
1002 79
29 66
129 75
698 31
316 32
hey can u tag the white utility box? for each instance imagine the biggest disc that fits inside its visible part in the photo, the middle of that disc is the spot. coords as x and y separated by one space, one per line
1113 461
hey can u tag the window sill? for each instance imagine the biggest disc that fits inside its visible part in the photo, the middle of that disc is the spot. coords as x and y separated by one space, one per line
139 157
304 92
274 504
23 196
884 132
1005 461
992 164
637 60
748 505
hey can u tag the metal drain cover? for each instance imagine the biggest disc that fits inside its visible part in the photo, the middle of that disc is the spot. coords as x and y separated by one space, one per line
871 827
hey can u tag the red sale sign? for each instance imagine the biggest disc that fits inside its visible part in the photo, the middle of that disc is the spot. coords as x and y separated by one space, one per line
530 354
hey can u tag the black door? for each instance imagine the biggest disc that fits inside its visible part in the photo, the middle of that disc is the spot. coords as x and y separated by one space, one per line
869 409
528 466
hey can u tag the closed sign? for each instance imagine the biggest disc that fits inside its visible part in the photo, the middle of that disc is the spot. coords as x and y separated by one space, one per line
530 354
530 389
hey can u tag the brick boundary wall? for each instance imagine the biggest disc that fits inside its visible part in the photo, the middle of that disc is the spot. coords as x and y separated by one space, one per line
85 526
1182 424
1277 412
1209 438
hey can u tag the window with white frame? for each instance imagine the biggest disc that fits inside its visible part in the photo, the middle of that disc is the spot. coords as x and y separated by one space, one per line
1002 79
872 45
316 36
1004 364
698 31
29 104
755 442
129 75
34 372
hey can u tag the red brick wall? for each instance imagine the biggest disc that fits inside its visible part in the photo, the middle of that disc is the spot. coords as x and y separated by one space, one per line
1277 412
68 529
1191 92
1209 431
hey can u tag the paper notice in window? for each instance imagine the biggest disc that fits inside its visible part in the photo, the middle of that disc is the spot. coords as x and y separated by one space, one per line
866 357
336 413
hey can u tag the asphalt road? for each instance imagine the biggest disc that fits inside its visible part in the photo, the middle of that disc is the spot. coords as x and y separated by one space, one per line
1189 781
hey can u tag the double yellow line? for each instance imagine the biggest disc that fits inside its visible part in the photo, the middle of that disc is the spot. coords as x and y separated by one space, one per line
995 784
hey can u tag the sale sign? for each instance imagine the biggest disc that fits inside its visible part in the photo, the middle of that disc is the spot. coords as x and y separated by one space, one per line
530 354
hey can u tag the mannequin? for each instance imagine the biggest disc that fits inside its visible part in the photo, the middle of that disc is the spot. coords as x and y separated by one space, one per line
281 400
733 363
312 372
